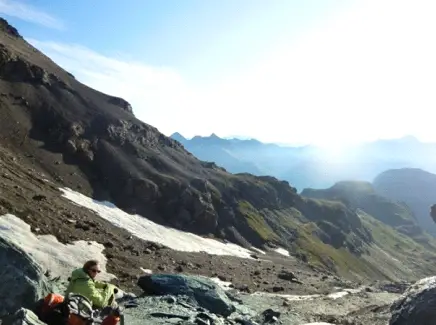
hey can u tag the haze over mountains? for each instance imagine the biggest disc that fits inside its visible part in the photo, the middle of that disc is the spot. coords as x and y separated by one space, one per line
311 166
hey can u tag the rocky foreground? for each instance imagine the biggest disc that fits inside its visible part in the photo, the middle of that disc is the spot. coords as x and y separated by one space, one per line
189 299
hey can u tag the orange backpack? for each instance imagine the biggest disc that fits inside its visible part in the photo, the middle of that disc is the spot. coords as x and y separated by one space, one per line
50 302
111 320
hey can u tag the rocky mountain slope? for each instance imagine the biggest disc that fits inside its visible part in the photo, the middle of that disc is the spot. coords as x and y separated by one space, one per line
415 187
77 137
309 166
361 195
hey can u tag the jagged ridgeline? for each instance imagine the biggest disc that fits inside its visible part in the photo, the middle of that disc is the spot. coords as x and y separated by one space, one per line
45 111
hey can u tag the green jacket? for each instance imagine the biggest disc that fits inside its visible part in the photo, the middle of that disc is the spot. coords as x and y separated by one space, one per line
97 292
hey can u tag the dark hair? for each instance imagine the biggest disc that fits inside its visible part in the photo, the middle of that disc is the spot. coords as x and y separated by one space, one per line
89 264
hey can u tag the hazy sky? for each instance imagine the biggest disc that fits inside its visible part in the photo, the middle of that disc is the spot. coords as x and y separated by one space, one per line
306 71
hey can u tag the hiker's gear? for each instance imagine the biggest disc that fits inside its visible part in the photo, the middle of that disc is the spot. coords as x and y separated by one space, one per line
99 293
80 310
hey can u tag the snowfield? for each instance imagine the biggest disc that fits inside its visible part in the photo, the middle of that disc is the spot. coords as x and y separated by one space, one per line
148 230
48 252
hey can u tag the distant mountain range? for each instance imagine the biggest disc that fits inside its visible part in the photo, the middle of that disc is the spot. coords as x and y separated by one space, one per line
310 166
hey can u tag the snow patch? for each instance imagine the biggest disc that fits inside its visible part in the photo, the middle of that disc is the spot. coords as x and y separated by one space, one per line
258 250
223 284
148 230
288 297
146 271
282 251
48 252
333 295
340 294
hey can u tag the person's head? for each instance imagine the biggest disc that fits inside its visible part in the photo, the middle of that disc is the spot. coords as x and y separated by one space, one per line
92 268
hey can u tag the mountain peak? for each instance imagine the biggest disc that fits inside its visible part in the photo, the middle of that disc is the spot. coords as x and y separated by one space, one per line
177 136
8 29
214 136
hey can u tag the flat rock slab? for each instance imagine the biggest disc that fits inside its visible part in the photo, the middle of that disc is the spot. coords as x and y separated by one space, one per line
168 310
201 289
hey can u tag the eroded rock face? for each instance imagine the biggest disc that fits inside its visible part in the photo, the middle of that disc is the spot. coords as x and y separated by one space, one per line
10 30
123 104
14 68
417 305
204 291
22 281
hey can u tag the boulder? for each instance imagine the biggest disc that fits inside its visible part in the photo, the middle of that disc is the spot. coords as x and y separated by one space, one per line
22 281
417 305
287 275
201 289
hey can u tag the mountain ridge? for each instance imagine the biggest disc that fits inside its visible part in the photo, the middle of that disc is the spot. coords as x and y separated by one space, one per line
362 195
314 167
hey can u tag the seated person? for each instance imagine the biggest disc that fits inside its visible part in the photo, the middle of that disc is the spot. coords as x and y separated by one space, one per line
82 281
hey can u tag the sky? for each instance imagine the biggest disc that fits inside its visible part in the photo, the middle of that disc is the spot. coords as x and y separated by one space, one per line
323 72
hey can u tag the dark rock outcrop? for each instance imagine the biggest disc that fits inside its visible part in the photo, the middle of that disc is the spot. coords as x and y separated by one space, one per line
417 305
204 291
433 212
22 281
121 103
8 29
393 287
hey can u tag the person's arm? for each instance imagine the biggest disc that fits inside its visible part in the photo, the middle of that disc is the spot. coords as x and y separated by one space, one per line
98 297
100 284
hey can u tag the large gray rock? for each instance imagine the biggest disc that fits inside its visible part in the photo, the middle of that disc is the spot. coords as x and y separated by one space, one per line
417 305
22 281
201 289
